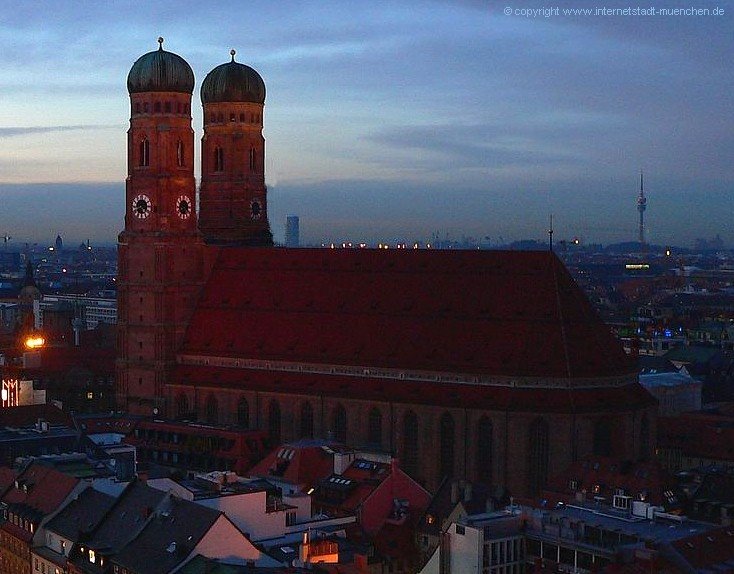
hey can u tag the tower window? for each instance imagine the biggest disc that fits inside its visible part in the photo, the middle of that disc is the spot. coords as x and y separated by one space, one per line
220 118
232 117
157 108
218 159
144 159
253 160
180 158
179 107
168 107
242 117
145 107
137 108
213 118
252 118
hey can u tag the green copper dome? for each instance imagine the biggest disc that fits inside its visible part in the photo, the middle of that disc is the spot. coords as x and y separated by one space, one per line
233 82
160 71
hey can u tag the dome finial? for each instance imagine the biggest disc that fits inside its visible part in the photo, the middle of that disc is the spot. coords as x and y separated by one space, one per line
160 43
232 52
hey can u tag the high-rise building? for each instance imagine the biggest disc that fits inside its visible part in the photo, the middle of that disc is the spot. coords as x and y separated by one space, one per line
292 231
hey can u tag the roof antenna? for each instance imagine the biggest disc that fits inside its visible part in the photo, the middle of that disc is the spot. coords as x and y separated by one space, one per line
550 234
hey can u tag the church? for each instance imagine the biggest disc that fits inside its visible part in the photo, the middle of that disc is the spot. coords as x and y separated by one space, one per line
485 365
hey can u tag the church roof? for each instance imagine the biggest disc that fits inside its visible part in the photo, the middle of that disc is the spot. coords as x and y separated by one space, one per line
487 313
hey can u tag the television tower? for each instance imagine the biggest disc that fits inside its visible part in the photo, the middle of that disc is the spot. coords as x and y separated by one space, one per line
641 206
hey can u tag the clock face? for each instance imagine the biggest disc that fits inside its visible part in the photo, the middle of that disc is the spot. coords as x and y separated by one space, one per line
183 206
256 209
141 206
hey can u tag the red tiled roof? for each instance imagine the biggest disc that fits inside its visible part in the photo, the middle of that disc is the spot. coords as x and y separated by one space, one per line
502 313
415 392
46 488
308 464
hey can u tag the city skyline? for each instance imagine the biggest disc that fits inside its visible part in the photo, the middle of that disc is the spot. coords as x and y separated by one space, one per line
392 123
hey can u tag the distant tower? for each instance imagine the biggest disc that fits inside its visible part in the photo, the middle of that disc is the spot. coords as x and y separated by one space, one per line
292 231
233 195
59 243
641 206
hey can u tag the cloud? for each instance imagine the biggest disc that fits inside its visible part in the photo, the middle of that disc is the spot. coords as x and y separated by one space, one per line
9 132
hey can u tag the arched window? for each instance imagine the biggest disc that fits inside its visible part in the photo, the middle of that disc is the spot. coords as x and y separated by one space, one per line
603 437
242 117
218 159
212 410
137 108
157 108
306 420
339 424
144 152
410 443
374 427
180 157
484 450
644 437
179 107
253 160
274 422
145 107
167 107
446 446
182 405
243 413
232 117
220 118
538 455
212 119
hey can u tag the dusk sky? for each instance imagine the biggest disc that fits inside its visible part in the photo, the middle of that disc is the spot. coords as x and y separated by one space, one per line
392 120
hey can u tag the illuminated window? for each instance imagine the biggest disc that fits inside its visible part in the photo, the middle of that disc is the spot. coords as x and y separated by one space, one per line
90 395
92 556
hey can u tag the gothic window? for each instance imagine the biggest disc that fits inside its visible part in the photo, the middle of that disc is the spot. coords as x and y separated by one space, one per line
218 159
144 152
243 413
145 107
374 427
157 108
306 420
538 455
603 437
232 117
167 107
137 108
212 411
274 422
410 443
484 450
242 117
253 160
339 424
180 158
644 437
182 405
446 445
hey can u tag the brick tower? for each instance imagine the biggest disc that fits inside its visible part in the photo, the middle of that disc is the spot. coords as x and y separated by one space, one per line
233 208
160 250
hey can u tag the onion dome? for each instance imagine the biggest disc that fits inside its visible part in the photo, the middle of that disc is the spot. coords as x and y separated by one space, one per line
233 82
160 71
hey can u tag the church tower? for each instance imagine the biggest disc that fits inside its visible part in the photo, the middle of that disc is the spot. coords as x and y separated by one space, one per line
160 266
233 193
